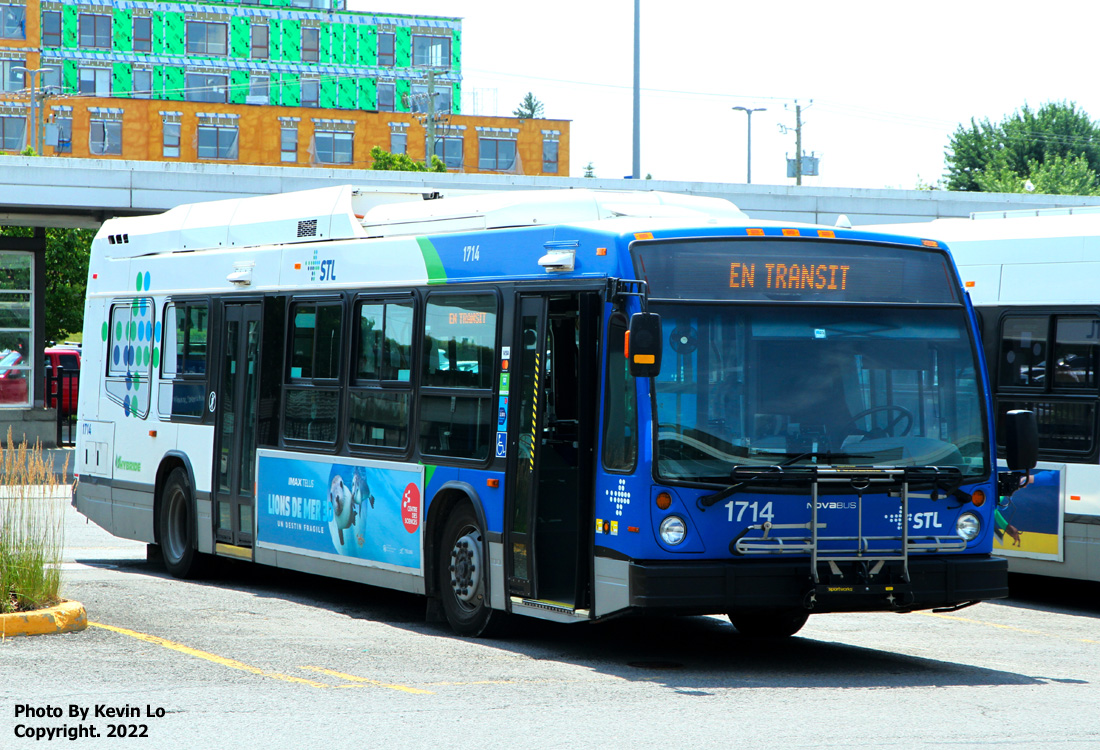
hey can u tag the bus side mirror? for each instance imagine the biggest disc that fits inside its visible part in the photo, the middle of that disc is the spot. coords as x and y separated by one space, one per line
1021 440
643 349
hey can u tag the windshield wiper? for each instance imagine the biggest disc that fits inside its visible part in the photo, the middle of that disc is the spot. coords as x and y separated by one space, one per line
705 501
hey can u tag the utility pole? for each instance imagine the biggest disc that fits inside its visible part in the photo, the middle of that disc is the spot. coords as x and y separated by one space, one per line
636 173
32 136
797 143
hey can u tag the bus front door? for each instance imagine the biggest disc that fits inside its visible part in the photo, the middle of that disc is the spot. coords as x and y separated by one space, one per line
552 397
235 453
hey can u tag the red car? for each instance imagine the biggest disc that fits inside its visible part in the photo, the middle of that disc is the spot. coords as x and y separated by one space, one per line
68 359
13 381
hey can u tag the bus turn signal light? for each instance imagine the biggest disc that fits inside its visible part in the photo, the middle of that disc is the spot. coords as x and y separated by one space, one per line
978 498
664 501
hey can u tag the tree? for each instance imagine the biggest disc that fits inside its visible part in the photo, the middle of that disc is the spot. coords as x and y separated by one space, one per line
590 170
528 109
67 254
1035 145
385 161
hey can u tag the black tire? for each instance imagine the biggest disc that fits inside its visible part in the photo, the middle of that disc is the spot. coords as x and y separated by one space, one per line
462 566
768 623
176 526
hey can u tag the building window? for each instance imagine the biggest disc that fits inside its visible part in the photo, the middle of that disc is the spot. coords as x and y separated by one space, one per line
64 143
550 156
105 138
171 140
10 78
333 148
206 88
311 49
15 333
385 50
143 34
259 89
94 31
260 44
449 149
12 132
95 81
288 144
457 417
386 94
496 153
431 51
51 28
205 38
398 143
217 142
418 102
13 22
310 92
143 84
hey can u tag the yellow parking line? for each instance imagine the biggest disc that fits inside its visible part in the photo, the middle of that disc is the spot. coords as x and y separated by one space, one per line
1006 627
376 683
225 662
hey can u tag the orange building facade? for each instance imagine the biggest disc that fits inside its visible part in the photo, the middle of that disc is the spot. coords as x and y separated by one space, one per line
261 82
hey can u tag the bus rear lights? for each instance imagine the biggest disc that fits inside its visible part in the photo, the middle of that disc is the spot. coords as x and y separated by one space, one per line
978 498
968 526
664 501
673 530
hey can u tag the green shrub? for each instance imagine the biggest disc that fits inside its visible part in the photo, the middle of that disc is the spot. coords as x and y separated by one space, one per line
31 529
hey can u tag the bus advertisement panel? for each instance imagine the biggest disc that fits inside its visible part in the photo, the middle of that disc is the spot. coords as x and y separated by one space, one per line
349 509
1029 523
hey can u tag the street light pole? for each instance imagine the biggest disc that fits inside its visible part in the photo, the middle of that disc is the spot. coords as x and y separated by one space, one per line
748 111
636 171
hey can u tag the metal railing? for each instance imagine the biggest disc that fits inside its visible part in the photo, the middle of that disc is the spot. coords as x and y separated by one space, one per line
62 387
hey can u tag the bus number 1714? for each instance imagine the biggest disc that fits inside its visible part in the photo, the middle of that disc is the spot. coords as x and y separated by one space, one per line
757 512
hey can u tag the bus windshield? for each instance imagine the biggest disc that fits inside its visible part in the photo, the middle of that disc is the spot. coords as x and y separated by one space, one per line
803 384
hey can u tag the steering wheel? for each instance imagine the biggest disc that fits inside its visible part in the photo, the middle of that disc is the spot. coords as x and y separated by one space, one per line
888 430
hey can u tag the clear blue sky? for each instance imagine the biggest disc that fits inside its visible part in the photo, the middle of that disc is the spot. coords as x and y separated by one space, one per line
889 82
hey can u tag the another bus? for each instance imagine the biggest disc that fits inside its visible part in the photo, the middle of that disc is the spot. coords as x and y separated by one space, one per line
1032 276
570 405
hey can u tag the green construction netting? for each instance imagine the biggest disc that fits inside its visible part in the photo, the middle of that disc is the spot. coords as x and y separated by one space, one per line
122 31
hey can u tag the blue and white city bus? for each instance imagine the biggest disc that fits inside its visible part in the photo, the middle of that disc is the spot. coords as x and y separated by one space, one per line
571 405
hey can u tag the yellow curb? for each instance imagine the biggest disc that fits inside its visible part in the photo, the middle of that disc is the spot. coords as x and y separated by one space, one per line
66 617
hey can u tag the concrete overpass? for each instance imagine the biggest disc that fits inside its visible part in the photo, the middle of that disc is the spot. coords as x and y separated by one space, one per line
60 192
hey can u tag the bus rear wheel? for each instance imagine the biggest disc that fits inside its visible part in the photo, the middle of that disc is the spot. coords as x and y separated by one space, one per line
768 623
462 580
176 526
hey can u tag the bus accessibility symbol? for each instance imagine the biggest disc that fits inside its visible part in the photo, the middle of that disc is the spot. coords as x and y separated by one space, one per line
502 444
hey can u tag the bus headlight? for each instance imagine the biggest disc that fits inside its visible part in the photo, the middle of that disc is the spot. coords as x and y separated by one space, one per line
673 530
968 526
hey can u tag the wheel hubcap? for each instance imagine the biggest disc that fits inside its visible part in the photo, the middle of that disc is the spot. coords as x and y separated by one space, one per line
466 568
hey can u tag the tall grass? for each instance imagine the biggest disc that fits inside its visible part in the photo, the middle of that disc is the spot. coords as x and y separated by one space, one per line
31 528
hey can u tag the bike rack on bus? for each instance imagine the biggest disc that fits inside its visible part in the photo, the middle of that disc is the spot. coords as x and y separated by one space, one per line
876 550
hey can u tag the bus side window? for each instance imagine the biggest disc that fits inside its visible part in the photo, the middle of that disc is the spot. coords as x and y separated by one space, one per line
381 382
457 417
1023 352
620 414
182 392
312 386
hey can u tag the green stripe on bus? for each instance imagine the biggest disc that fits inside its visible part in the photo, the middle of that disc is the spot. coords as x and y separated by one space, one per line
436 273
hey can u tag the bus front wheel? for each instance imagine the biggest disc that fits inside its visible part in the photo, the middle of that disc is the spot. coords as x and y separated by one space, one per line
176 526
768 623
463 584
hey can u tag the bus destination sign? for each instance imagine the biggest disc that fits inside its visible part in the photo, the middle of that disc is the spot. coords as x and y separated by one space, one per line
786 270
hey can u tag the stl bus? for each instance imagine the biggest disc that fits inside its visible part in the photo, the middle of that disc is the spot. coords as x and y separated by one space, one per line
571 405
1032 276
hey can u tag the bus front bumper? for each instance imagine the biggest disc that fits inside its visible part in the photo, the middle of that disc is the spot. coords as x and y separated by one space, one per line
719 587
